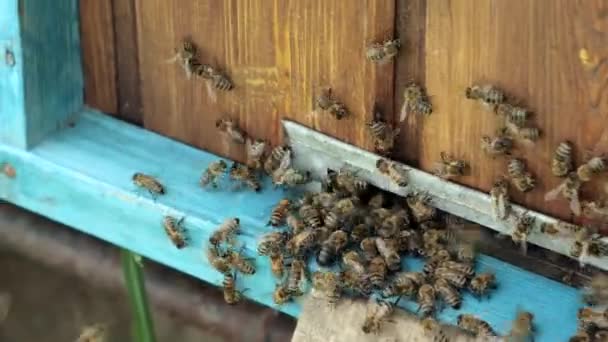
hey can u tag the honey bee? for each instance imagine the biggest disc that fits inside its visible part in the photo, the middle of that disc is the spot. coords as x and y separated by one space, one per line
271 243
396 172
290 177
404 284
149 183
231 294
328 283
452 276
474 325
219 261
449 167
214 77
225 232
433 262
301 243
596 292
377 271
522 329
595 210
175 231
296 282
482 283
562 163
281 294
326 102
499 197
523 227
280 158
353 260
277 264
447 293
355 283
368 248
93 333
601 336
488 94
240 263
360 232
416 101
569 189
245 175
496 146
426 300
332 247
377 312
213 173
420 206
255 152
581 336
186 56
463 268
388 250
347 181
588 316
230 129
592 167
520 177
310 215
382 134
382 53
528 134
279 213
296 226
433 330
514 115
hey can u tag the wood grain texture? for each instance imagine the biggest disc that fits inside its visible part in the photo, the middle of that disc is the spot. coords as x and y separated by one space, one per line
530 49
278 53
99 55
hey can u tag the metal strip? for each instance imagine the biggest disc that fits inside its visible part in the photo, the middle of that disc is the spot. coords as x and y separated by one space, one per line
316 152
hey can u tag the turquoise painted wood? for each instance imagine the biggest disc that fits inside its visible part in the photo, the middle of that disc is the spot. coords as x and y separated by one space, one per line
81 177
40 74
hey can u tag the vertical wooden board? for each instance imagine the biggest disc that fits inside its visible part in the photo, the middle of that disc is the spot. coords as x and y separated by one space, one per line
98 55
278 53
530 49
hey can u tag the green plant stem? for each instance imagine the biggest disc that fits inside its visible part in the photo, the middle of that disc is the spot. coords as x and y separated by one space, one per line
142 325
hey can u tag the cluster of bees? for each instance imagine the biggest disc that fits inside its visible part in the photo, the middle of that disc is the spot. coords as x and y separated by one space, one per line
593 321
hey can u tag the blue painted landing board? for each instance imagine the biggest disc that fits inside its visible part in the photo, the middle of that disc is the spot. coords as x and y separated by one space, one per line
81 177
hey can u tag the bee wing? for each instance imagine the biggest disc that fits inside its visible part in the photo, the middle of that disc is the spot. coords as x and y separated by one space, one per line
555 192
575 204
404 111
285 161
211 92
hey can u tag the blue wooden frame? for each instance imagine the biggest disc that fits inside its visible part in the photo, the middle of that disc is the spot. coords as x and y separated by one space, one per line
74 165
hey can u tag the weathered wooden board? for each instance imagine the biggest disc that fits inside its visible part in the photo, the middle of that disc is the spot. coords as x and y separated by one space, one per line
531 49
278 53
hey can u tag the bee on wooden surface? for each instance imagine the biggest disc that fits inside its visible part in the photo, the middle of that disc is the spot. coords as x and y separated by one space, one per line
93 333
447 293
514 115
231 294
592 167
420 206
186 55
281 294
277 264
569 189
328 283
383 134
528 134
279 213
396 172
426 300
452 276
562 163
218 260
482 283
245 175
311 216
255 152
279 158
377 312
449 167
215 78
499 197
301 243
496 146
522 328
226 232
382 53
596 292
416 101
332 247
377 271
520 177
388 250
296 282
488 94
474 325
290 177
326 102
149 183
213 173
175 231
272 243
433 330
595 210
241 263
523 227
230 129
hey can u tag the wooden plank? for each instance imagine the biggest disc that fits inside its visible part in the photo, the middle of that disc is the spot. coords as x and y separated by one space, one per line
98 55
74 192
531 49
127 61
278 53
